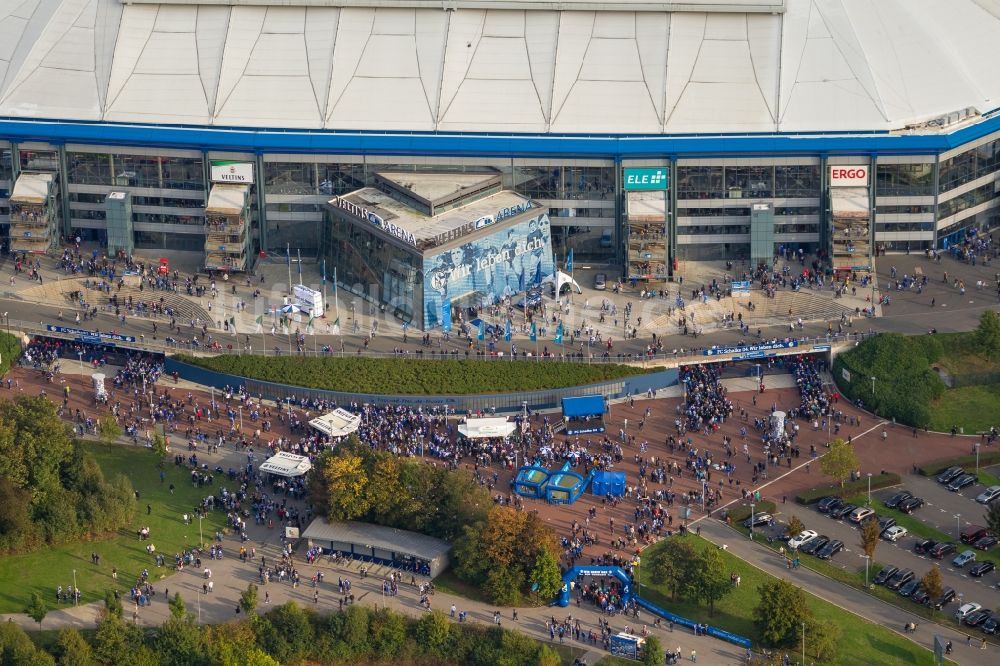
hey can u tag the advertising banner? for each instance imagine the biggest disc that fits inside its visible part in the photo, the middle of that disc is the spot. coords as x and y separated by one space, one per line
645 178
224 171
848 175
506 262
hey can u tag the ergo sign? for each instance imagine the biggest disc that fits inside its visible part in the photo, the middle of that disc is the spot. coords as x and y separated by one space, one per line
848 176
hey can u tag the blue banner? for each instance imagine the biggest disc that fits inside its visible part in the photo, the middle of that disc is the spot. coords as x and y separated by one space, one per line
559 334
89 336
446 316
506 331
740 287
719 351
482 330
569 261
534 332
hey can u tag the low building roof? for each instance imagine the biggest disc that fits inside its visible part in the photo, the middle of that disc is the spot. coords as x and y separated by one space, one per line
227 198
31 188
286 464
377 536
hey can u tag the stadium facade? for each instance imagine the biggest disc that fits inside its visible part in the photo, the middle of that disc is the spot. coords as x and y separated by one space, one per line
651 133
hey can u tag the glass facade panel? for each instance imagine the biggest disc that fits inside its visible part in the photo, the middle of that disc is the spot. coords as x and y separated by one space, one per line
6 164
974 197
899 180
796 181
970 165
89 169
290 178
39 160
700 182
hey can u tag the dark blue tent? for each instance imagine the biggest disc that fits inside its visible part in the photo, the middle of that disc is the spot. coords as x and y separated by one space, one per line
608 483
583 414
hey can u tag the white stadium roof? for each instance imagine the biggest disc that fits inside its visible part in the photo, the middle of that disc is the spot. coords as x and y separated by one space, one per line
610 66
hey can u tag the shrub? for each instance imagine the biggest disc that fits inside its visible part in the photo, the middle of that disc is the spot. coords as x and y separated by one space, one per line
934 468
398 376
742 512
850 488
10 351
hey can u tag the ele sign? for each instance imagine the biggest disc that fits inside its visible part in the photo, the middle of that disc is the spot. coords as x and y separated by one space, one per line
654 178
848 176
232 172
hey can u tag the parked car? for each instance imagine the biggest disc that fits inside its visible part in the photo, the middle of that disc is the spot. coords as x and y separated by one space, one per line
814 544
964 558
977 618
910 505
830 549
894 501
843 510
885 574
924 546
886 522
985 543
973 533
960 482
990 625
942 550
921 596
860 514
947 596
600 282
827 504
900 579
909 588
802 538
949 474
988 495
982 568
965 610
894 533
757 519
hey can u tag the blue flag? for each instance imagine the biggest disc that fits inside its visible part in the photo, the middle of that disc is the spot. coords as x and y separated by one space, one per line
324 271
506 331
559 334
534 332
482 330
569 261
446 316
288 256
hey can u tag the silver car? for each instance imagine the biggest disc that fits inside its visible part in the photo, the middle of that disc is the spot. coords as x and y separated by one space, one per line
988 495
600 282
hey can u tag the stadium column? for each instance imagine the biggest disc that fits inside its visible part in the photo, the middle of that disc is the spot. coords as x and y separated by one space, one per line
620 255
261 207
671 214
937 197
871 207
64 215
826 203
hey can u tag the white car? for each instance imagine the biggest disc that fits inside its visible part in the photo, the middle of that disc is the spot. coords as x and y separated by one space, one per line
988 495
966 610
895 533
860 514
802 538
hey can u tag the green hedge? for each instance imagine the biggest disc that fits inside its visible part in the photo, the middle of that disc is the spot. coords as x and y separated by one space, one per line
905 383
10 351
742 512
850 488
413 376
938 466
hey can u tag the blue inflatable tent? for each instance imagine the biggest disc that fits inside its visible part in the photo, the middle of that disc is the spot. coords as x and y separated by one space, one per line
608 483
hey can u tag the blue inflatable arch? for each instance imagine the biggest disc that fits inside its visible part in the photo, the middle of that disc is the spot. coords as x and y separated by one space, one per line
595 571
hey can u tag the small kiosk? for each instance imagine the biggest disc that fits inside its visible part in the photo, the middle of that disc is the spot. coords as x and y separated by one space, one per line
583 414
338 423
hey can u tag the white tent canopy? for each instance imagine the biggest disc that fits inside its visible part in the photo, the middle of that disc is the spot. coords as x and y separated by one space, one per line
486 428
286 464
338 423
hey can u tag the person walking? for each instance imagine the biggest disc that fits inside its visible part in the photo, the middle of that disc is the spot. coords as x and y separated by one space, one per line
694 656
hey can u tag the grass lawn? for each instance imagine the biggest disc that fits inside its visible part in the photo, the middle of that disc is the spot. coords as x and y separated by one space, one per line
45 569
861 642
975 408
449 583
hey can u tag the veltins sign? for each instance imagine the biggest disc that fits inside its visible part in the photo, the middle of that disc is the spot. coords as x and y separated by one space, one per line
848 176
375 220
653 178
232 172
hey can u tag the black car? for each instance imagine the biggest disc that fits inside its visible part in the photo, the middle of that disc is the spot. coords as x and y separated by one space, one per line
814 544
894 501
985 543
942 550
977 618
900 579
757 520
910 505
947 596
949 474
909 588
843 510
885 574
828 503
982 568
921 596
990 625
886 523
960 482
830 549
924 546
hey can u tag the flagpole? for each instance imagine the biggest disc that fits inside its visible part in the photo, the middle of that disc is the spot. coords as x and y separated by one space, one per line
298 253
288 261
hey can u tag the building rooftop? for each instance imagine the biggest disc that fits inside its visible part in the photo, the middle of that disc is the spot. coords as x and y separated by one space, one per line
377 536
430 231
31 188
226 199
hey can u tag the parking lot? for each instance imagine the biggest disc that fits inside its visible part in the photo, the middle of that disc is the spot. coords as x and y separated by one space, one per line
944 510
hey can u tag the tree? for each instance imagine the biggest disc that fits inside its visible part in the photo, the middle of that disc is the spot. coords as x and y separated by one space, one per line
546 579
839 461
822 639
933 583
178 609
987 334
795 526
159 448
433 632
503 585
17 648
248 600
652 654
178 643
73 649
673 565
346 486
387 633
993 517
108 429
292 631
779 613
112 604
870 533
711 580
37 609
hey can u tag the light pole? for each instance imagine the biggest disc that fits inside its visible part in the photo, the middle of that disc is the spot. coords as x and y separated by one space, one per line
76 597
958 524
201 536
869 489
803 643
873 387
79 355
867 558
977 458
751 521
